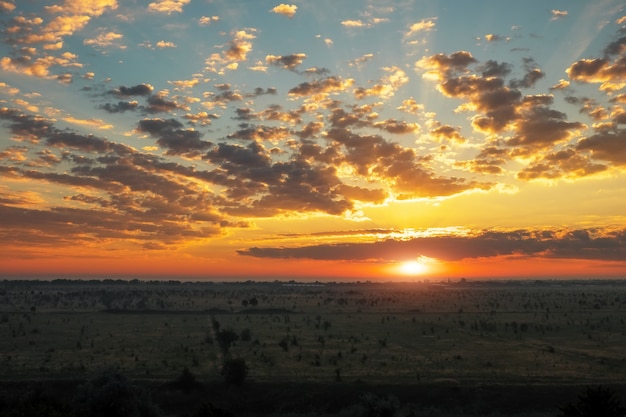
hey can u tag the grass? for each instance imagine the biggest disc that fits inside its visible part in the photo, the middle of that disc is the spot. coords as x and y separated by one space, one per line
514 333
446 349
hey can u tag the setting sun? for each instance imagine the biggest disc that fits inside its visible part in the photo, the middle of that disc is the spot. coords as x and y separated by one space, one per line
413 268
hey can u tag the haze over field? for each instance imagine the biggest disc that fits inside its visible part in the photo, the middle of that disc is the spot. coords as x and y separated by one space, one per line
369 139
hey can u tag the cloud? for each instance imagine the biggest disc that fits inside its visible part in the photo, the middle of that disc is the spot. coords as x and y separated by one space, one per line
321 87
106 40
531 77
606 146
136 90
361 60
171 136
357 23
290 62
6 6
386 87
202 117
441 65
165 44
488 161
14 153
26 127
236 51
491 37
157 103
378 160
353 23
540 126
95 123
424 25
120 106
558 14
288 10
597 244
168 6
446 132
564 163
66 19
207 20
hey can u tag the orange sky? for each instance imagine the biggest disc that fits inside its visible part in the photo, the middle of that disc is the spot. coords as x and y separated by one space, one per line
322 140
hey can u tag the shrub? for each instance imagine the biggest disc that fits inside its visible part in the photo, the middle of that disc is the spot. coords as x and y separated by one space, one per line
235 371
595 402
111 394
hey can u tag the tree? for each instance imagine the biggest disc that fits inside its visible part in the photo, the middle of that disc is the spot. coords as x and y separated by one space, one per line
235 371
186 381
225 338
595 402
111 394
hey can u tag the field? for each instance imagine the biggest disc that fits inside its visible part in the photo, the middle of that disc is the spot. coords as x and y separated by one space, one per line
450 335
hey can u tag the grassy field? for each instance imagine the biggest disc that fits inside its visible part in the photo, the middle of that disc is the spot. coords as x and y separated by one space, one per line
448 334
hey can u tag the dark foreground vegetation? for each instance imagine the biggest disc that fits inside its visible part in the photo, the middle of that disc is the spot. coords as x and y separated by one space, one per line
134 348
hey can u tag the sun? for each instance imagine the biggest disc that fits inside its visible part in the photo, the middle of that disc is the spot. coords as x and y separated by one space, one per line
413 268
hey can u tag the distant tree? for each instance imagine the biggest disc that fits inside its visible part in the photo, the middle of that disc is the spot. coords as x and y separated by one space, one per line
595 402
186 381
235 371
245 335
372 405
111 394
225 338
253 301
284 344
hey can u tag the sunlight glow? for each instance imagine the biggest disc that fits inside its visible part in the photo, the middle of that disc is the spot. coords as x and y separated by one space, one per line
413 268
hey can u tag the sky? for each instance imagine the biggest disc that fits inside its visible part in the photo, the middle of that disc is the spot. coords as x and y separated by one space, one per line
358 140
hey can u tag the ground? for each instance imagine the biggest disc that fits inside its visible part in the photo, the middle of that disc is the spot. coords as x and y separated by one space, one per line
483 344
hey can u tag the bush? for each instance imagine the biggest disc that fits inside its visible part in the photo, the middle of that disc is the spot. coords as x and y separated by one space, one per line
186 381
234 371
111 394
595 402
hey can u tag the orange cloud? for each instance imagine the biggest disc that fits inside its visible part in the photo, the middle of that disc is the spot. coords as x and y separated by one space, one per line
168 6
288 10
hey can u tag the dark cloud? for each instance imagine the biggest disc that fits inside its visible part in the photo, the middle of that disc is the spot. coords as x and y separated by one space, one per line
447 132
609 146
85 143
171 136
448 64
260 133
488 161
563 163
493 68
373 156
609 245
267 91
136 90
321 86
542 127
120 106
290 62
26 126
158 104
532 75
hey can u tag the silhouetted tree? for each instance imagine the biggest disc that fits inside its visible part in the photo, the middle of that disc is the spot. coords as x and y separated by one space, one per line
235 371
111 394
595 402
186 381
225 338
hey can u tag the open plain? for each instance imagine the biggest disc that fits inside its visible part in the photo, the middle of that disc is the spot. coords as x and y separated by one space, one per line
533 345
